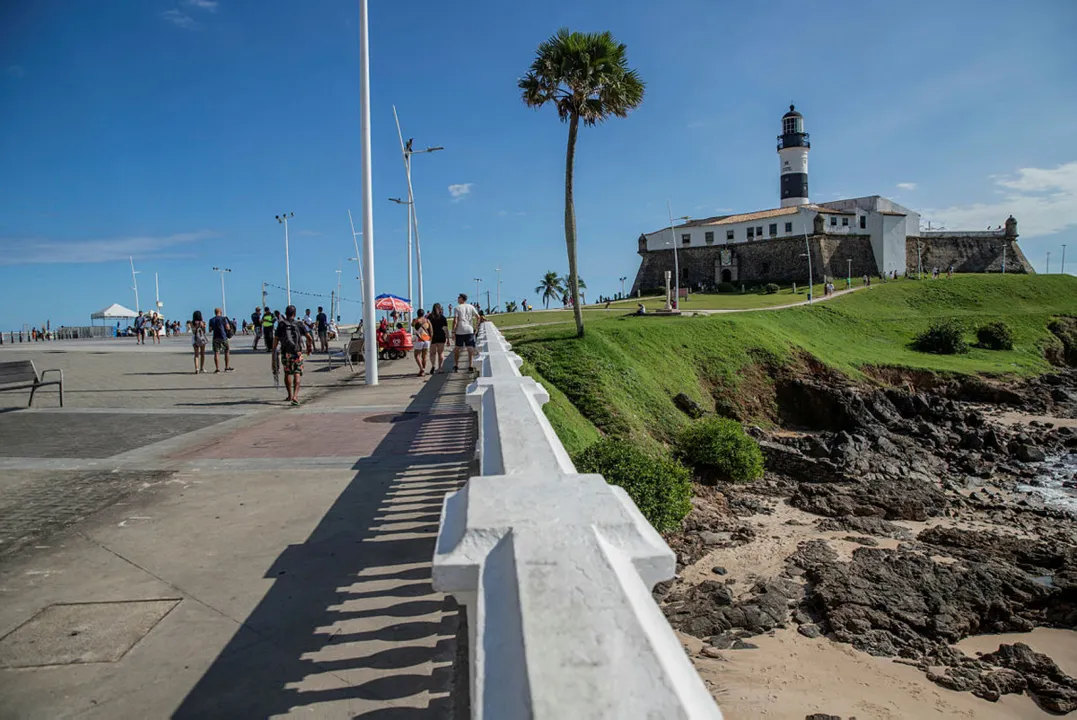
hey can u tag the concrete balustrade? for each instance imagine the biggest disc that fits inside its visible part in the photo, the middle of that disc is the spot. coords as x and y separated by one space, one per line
555 569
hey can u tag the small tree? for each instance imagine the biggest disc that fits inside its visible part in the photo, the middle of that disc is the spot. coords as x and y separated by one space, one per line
945 337
550 288
995 336
719 450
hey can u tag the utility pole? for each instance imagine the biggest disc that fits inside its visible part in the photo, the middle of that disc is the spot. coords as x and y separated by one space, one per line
411 297
157 293
477 281
333 311
413 219
622 279
498 269
370 340
811 278
487 301
134 279
283 218
676 265
224 303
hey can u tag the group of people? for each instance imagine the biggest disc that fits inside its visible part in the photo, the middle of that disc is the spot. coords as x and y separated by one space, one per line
154 325
430 334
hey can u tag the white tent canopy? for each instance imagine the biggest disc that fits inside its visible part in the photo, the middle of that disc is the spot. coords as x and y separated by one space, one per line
115 310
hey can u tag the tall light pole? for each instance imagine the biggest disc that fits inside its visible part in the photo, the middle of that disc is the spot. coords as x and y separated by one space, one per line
622 279
1048 263
807 252
333 310
676 264
849 274
407 150
134 280
224 303
157 293
498 270
477 281
283 218
356 259
370 340
1063 258
398 201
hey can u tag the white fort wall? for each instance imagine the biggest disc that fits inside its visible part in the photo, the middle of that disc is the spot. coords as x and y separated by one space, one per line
556 570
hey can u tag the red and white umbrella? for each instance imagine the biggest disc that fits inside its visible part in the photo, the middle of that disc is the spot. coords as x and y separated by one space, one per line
392 302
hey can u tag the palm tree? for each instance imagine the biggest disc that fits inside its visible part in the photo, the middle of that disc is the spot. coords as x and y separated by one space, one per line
549 288
587 78
510 306
566 284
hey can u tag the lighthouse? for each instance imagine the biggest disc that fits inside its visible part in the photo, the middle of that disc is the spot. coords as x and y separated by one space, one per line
793 147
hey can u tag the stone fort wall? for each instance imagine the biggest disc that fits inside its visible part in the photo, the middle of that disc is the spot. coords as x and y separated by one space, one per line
780 260
967 253
756 263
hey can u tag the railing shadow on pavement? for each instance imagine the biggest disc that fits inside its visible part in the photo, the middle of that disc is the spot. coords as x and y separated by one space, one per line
351 614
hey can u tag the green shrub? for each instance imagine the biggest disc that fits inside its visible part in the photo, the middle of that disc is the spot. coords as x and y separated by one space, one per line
995 336
772 288
660 486
725 287
719 450
946 337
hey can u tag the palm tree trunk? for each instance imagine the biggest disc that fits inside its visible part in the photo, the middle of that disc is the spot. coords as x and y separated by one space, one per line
570 224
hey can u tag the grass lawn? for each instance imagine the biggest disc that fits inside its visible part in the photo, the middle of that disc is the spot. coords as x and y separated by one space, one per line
620 377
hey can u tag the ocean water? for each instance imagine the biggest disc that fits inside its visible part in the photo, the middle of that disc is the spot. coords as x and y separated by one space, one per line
1054 471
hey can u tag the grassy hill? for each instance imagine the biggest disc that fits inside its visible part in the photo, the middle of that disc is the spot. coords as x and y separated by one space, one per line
620 377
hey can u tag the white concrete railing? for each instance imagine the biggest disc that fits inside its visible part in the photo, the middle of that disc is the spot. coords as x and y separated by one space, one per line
556 571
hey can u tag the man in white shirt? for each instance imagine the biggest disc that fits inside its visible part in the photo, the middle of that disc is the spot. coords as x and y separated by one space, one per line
466 321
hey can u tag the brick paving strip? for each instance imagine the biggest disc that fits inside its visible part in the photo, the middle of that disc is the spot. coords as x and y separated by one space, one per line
184 545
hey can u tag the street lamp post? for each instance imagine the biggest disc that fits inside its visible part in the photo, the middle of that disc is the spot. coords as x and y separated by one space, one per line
477 281
413 219
622 279
408 203
357 259
157 293
498 270
222 271
370 340
676 264
134 280
849 274
283 219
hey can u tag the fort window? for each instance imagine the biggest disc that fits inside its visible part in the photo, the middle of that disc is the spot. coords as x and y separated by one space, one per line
863 222
773 229
751 233
845 222
759 231
789 227
728 234
766 269
686 238
709 237
833 221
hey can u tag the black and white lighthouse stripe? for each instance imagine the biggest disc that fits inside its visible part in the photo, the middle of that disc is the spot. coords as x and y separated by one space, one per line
794 185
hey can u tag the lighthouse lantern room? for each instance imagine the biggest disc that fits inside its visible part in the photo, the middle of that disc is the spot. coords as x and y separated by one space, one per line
793 147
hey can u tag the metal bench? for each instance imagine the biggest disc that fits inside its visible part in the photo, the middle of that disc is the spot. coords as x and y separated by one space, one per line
22 374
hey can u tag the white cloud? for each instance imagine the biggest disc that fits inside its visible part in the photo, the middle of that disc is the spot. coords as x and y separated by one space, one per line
32 251
179 19
1044 201
907 186
460 190
207 5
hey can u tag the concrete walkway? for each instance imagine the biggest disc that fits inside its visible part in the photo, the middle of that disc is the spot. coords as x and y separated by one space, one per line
260 562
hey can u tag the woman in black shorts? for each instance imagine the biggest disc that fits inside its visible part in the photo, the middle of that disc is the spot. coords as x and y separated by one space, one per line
440 326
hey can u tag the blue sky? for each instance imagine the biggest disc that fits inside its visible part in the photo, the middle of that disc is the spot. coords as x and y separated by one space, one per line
174 131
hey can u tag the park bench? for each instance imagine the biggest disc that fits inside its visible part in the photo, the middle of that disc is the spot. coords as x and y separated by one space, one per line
21 374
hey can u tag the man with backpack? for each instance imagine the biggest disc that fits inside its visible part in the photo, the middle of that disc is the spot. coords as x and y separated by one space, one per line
221 329
267 329
287 338
256 326
322 323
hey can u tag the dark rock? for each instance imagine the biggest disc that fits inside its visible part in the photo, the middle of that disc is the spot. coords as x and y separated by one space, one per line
688 406
710 537
823 716
1029 453
718 570
702 611
866 525
743 645
859 539
723 641
1052 689
810 630
898 499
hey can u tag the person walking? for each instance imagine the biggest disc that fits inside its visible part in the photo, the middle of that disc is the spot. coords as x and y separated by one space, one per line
198 341
321 323
422 330
267 329
140 329
309 322
466 321
287 337
219 327
439 326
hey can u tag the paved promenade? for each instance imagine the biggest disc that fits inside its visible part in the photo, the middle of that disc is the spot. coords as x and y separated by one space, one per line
182 545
